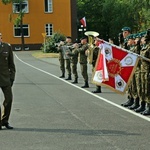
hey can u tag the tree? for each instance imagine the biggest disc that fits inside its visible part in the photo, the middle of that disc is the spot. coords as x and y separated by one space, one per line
108 16
19 20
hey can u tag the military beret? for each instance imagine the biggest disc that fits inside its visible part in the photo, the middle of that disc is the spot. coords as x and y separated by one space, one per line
137 35
126 29
142 34
131 36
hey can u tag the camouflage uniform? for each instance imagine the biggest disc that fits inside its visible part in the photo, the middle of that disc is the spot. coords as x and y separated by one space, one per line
83 63
61 61
74 61
68 64
145 78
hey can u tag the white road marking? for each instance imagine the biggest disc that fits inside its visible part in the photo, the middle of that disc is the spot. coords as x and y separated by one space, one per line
97 96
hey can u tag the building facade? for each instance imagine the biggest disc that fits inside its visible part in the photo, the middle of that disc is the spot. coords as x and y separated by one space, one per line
40 16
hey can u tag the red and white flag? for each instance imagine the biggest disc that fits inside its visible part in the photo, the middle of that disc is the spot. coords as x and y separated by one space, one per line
114 67
101 72
83 21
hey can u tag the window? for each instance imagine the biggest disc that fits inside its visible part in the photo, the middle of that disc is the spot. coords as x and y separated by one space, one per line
48 6
17 30
24 6
49 29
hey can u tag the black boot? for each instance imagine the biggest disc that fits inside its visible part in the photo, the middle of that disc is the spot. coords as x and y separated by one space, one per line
69 77
135 105
141 108
75 81
98 90
86 85
128 103
63 75
147 111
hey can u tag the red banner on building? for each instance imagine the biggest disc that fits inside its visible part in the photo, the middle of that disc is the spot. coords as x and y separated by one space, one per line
114 68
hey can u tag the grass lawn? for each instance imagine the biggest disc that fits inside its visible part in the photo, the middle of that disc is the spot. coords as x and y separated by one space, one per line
40 54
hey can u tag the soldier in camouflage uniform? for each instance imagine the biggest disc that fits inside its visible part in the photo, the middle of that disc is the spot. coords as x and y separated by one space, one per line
83 60
134 88
61 59
145 72
126 31
74 60
67 60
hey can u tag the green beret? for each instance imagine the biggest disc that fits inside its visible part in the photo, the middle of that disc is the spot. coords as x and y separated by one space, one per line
137 35
126 29
131 36
142 34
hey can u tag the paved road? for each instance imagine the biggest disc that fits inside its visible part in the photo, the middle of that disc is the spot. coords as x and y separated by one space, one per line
50 113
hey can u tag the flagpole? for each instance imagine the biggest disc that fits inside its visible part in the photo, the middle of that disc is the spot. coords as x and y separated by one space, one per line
125 50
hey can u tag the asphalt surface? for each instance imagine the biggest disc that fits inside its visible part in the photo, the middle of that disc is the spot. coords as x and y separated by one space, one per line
50 113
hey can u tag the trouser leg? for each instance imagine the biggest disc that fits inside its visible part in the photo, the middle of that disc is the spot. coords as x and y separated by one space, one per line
7 91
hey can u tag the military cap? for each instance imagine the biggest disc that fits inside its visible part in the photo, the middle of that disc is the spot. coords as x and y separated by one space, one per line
126 29
84 37
68 37
147 35
131 36
142 34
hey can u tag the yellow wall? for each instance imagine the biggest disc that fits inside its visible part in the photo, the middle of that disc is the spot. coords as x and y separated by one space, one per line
36 18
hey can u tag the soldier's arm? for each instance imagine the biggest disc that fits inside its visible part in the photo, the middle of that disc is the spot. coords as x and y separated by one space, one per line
11 64
83 49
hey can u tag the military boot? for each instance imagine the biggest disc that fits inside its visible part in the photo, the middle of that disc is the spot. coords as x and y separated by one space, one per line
86 85
129 102
69 77
147 111
63 75
135 105
75 81
98 90
141 108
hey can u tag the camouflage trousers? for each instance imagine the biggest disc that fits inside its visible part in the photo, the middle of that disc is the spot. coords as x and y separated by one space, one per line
145 86
62 65
74 70
68 66
132 88
84 72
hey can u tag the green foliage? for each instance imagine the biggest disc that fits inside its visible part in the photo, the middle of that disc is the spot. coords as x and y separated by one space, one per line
109 16
51 42
6 1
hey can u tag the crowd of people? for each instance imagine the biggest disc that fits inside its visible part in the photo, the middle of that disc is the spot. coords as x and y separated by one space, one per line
139 88
138 91
70 54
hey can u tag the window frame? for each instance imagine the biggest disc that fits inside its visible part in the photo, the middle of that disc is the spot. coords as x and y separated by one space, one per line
49 29
28 28
25 2
49 3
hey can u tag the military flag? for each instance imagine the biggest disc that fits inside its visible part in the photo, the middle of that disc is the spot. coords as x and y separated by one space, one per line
83 21
115 67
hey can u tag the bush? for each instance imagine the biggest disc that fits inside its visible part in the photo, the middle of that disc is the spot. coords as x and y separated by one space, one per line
50 44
